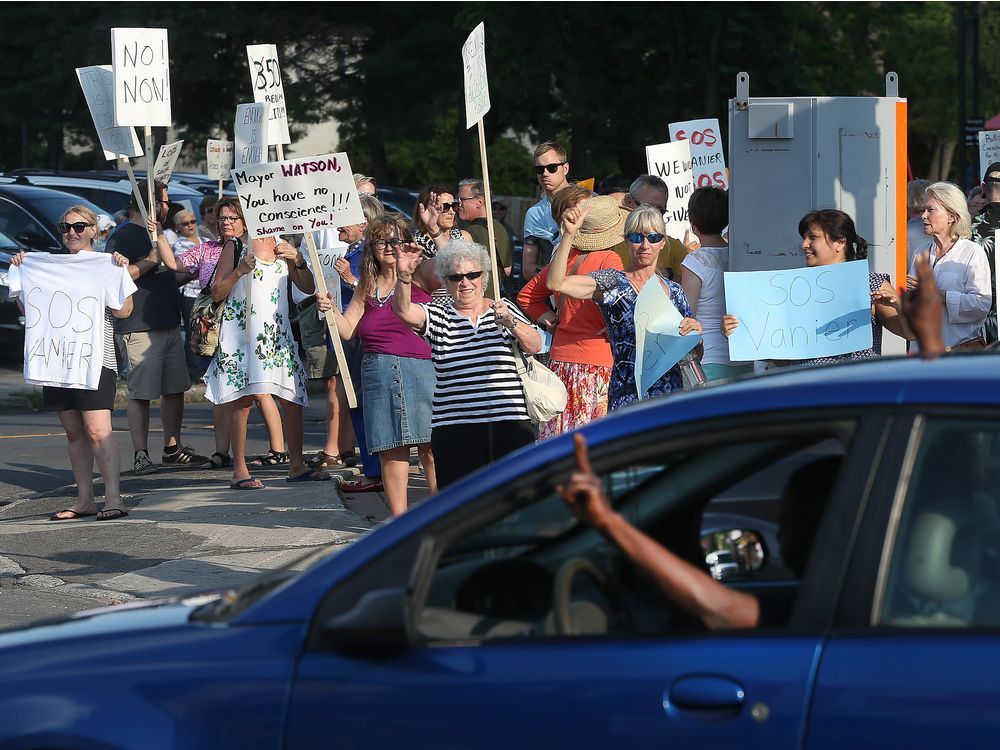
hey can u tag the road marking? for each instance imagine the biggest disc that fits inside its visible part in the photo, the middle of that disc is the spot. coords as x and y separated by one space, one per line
43 434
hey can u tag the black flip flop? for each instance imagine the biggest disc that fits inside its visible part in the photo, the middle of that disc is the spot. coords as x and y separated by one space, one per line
111 514
76 515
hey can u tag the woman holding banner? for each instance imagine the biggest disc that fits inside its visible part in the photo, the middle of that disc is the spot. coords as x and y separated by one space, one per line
616 292
86 414
829 237
397 377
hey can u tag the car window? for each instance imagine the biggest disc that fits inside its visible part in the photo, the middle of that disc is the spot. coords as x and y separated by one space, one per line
943 566
15 222
537 572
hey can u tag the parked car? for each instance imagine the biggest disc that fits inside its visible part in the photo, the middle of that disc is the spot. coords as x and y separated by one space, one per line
489 617
400 200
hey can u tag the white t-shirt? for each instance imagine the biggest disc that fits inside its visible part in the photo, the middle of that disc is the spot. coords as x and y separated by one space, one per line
65 298
710 264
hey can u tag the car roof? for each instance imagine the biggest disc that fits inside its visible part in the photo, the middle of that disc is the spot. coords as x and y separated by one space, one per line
18 190
109 179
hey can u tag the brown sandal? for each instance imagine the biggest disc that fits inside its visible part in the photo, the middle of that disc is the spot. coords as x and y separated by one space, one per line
323 460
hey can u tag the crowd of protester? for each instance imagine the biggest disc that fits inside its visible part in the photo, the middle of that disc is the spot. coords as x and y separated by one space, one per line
432 355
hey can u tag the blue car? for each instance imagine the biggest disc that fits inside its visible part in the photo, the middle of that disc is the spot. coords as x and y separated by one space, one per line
489 617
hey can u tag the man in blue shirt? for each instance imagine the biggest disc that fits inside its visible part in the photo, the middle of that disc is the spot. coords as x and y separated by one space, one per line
540 229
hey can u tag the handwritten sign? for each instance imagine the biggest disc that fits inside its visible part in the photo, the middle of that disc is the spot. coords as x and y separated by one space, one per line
98 84
265 77
141 69
477 85
163 167
800 313
327 258
299 195
659 344
218 159
250 134
989 149
708 161
671 162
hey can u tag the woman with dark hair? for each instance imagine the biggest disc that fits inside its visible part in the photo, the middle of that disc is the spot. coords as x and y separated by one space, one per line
829 237
435 215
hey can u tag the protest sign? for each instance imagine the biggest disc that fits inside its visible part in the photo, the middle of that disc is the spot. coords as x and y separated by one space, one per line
671 162
477 86
250 134
989 149
299 195
141 77
218 159
163 167
98 84
265 78
800 313
659 344
708 161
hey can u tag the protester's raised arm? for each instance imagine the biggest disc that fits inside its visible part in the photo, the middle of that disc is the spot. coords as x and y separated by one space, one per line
411 314
578 287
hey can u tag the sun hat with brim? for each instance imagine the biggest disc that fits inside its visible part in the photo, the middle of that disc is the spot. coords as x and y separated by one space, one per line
604 225
992 172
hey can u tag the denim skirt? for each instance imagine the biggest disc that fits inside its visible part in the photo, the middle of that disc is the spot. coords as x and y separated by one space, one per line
397 393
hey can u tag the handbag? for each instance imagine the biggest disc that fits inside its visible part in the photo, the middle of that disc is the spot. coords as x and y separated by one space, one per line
544 393
206 317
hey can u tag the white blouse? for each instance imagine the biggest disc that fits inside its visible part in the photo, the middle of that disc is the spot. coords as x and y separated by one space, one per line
963 275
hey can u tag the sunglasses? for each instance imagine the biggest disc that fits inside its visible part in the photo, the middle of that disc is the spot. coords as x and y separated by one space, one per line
446 207
550 168
231 219
191 223
395 242
471 276
76 226
636 237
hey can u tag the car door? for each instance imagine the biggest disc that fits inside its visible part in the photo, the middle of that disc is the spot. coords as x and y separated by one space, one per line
914 660
486 664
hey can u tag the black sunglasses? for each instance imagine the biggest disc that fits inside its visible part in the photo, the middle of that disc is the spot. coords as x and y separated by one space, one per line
76 226
445 207
551 168
471 276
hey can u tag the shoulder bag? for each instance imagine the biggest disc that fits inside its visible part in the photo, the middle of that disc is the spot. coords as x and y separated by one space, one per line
206 315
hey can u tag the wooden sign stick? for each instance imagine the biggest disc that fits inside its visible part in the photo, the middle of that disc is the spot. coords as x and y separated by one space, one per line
495 271
149 175
135 189
281 151
220 188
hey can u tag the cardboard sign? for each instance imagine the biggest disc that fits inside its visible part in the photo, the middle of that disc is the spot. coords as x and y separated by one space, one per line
708 160
218 159
800 313
250 134
659 344
98 84
265 78
141 67
163 167
299 195
477 85
989 149
671 162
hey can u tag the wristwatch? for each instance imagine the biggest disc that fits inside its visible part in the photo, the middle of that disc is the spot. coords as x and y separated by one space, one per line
354 284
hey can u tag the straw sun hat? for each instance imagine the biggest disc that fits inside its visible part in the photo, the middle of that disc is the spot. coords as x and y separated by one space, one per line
603 226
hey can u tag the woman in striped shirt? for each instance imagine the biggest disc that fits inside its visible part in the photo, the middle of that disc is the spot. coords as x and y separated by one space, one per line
479 412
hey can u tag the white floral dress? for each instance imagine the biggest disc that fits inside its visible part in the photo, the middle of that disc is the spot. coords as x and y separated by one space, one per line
257 352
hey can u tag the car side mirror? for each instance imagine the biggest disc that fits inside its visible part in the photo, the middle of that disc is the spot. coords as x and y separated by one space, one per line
733 552
377 625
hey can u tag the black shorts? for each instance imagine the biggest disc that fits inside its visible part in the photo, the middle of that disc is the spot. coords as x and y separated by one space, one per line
64 399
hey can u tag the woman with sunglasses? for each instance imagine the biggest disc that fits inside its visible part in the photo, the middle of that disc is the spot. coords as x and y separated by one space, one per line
86 414
479 411
435 215
397 376
185 226
615 293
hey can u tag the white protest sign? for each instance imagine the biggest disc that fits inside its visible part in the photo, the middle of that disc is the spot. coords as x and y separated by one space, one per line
659 344
250 134
141 70
299 195
989 149
218 158
265 77
671 162
708 161
327 258
163 167
98 84
477 85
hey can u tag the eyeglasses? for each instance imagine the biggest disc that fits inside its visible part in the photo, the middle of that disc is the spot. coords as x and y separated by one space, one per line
550 168
76 226
462 200
165 203
191 223
446 207
232 219
209 210
395 242
636 237
471 276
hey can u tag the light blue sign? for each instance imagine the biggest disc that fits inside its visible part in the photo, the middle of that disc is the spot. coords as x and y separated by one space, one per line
658 341
800 313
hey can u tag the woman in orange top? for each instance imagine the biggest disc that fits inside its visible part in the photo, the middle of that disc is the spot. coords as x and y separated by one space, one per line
580 355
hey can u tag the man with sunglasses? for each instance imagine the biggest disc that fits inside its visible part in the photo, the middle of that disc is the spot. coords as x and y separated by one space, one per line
541 233
472 210
154 348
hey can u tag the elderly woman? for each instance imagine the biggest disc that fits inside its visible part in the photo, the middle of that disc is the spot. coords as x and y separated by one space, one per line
580 355
396 372
479 411
616 292
961 267
86 414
